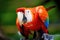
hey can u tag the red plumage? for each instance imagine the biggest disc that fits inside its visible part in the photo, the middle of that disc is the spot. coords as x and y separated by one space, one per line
39 15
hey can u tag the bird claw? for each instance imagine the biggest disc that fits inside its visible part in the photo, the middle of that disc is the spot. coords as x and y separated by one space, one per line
48 37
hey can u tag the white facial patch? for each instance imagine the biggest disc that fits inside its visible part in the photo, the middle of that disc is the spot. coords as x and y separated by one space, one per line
20 17
28 15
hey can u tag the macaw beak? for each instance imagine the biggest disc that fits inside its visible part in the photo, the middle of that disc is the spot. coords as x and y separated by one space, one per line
22 15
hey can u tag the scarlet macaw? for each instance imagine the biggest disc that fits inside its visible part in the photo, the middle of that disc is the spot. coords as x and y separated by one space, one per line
32 19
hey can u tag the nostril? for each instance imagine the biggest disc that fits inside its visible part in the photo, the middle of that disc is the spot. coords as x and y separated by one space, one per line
24 19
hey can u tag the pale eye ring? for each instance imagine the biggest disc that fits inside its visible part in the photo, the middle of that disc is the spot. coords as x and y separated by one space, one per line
28 11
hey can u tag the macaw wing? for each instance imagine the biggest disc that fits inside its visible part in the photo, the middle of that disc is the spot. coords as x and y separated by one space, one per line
43 14
47 22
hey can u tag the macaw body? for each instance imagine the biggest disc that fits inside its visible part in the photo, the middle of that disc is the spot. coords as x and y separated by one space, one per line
39 20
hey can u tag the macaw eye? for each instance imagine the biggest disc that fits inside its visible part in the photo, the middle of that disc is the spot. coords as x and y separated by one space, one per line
27 11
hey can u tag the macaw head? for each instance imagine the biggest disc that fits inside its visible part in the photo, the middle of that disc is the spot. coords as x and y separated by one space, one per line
24 15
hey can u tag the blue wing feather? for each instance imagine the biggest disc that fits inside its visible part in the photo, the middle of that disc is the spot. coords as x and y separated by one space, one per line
46 22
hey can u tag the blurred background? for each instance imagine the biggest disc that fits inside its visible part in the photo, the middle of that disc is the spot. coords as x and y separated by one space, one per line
8 29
